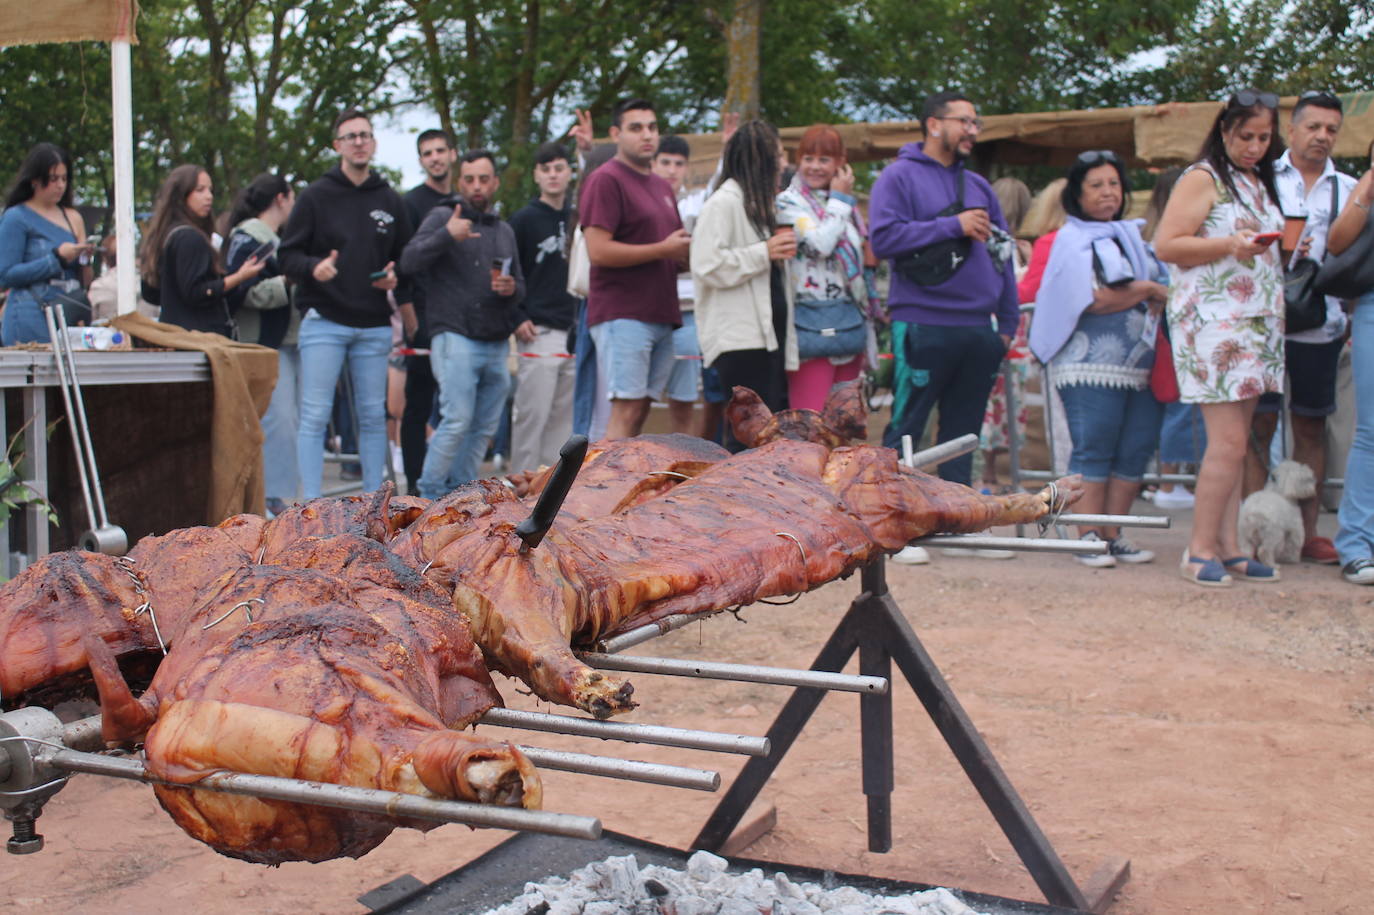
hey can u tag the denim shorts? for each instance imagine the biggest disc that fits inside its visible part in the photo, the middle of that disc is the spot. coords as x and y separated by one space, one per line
1114 431
684 382
635 357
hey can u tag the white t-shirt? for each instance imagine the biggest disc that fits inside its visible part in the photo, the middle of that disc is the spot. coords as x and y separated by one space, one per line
1297 201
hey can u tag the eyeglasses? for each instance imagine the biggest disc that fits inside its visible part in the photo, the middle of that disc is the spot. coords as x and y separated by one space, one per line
1249 98
362 136
1093 157
969 123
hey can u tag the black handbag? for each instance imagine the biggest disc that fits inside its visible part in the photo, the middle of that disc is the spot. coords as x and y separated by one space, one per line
934 264
1304 305
1350 274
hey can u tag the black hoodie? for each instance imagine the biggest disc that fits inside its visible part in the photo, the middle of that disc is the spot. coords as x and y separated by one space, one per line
367 224
541 233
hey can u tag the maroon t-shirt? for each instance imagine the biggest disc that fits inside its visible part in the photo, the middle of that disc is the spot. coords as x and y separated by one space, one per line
636 209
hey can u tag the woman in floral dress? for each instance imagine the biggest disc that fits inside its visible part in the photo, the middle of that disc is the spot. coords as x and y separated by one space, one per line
1226 315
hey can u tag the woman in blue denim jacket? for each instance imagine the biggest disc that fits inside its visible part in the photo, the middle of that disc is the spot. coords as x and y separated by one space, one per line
42 244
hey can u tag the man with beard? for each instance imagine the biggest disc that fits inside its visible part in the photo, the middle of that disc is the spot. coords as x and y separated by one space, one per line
437 156
637 246
934 219
953 293
1307 179
467 259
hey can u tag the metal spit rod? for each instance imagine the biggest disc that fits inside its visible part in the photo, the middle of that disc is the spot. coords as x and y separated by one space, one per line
1160 521
635 733
365 800
955 447
85 734
747 673
1029 544
652 631
627 769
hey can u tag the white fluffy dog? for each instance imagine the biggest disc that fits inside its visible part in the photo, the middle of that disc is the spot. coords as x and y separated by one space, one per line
1270 522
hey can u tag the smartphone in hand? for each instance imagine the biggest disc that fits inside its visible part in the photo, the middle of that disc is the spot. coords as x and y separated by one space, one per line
1267 238
377 275
263 251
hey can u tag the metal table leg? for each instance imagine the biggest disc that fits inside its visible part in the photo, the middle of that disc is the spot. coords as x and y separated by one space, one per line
36 461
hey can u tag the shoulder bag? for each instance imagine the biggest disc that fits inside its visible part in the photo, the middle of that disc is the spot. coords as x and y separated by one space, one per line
1304 305
934 264
831 328
1350 274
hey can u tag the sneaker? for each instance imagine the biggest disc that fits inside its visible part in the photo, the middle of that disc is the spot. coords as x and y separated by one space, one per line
1320 550
978 553
1096 560
1123 550
911 556
1359 571
1178 497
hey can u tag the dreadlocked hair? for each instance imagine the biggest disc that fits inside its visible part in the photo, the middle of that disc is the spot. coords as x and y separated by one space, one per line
751 158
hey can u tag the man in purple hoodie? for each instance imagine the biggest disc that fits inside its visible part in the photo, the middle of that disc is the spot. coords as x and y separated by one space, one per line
953 293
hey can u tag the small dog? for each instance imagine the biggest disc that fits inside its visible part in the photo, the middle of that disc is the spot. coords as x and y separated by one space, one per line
1270 525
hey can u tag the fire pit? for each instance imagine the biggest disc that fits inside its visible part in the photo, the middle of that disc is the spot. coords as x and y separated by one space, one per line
643 877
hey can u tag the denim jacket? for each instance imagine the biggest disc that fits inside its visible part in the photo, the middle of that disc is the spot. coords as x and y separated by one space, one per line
28 257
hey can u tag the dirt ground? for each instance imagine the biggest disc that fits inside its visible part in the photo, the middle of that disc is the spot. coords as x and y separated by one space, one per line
1223 741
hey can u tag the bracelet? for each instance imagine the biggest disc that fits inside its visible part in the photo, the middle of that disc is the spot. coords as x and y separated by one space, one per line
1363 206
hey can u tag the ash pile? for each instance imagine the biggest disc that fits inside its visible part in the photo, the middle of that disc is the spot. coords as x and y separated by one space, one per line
619 886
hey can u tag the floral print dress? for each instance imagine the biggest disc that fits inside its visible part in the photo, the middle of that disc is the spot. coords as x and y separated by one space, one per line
1226 317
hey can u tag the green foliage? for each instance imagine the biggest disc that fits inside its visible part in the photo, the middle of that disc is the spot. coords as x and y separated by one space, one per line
14 494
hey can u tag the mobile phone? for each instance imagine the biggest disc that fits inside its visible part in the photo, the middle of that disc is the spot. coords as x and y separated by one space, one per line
1267 238
377 275
263 251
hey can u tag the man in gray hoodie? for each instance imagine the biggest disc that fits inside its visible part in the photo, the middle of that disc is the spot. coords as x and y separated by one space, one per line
471 270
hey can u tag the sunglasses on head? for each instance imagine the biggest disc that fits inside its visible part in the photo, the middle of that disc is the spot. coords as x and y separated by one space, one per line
1325 96
1249 98
1097 157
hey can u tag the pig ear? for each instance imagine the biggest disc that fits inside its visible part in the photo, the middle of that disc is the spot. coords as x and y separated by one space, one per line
748 416
122 717
844 411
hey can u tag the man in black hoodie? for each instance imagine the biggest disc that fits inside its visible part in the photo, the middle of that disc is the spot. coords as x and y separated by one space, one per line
340 247
468 262
542 416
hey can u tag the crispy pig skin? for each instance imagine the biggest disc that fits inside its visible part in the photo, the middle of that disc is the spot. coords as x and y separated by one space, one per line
618 475
53 612
775 520
353 671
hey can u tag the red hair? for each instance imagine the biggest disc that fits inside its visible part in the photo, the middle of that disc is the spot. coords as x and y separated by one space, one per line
821 140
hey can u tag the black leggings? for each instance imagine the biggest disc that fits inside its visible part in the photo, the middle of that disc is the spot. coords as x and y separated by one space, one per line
759 370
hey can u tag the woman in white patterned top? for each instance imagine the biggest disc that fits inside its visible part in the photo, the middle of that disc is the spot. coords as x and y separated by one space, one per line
1226 315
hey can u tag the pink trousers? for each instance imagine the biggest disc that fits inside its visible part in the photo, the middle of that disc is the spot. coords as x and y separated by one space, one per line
813 379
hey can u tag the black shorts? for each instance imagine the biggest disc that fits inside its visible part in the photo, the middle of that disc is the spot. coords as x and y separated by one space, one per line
1311 379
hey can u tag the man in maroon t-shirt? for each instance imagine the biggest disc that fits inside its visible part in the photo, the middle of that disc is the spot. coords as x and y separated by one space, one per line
637 246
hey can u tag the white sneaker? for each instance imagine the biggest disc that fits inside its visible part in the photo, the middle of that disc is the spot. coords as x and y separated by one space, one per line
911 556
978 553
1096 560
1178 497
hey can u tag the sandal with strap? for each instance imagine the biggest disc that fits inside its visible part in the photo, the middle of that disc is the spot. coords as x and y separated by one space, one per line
1247 569
1206 572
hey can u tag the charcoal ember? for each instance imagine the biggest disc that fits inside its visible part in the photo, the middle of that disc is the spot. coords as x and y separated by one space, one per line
655 888
704 866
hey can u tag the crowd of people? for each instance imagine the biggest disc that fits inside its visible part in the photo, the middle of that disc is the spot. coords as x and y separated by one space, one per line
617 285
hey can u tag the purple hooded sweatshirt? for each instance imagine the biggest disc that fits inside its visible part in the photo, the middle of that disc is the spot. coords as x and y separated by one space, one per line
905 199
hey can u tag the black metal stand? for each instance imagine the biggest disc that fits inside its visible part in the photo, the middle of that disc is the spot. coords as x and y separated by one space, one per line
876 629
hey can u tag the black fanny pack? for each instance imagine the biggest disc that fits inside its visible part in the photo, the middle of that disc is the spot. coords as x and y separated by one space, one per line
935 264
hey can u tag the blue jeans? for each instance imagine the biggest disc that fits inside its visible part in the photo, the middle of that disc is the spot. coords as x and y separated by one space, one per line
24 321
279 428
584 379
323 347
950 367
1114 431
1355 540
473 378
1182 434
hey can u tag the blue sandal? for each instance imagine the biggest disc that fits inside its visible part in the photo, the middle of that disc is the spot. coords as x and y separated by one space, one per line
1206 572
1247 569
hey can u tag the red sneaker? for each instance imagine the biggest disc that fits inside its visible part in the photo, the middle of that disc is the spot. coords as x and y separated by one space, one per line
1320 550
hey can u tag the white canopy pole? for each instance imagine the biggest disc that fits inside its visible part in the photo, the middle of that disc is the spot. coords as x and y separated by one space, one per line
126 271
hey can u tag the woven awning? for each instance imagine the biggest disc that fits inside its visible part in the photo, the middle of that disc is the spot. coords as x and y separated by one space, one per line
48 21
